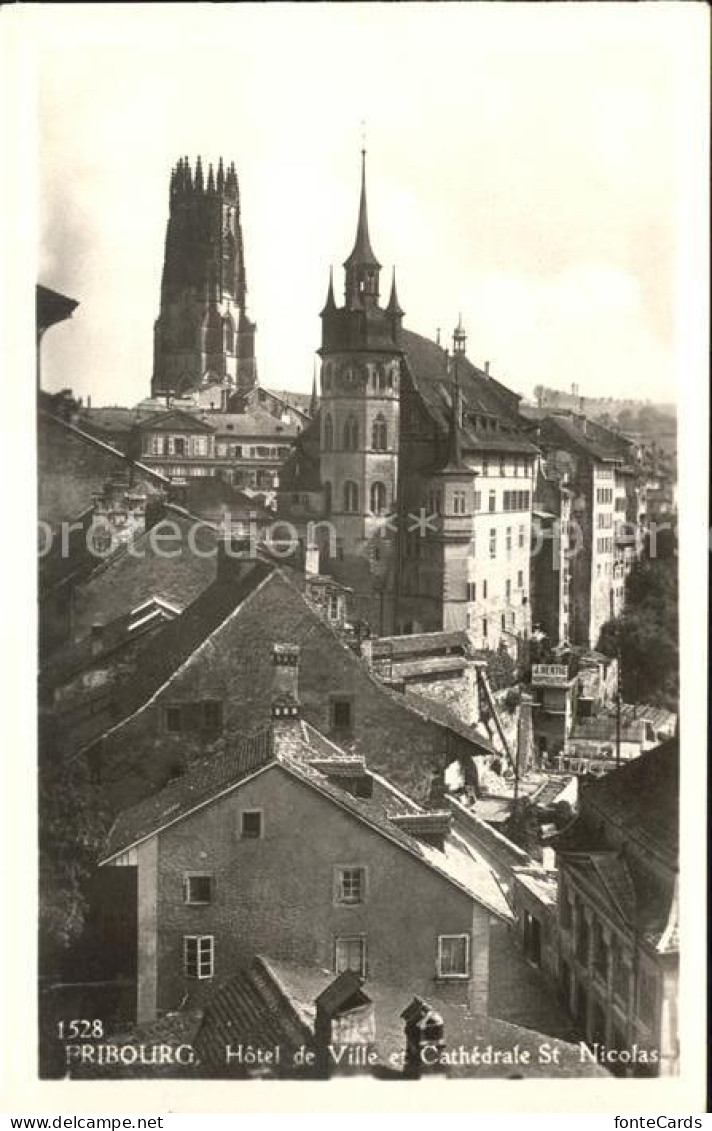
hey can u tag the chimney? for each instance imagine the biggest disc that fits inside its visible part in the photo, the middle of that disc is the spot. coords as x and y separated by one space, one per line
344 1027
285 681
88 400
235 557
424 1040
487 369
548 859
97 639
311 560
436 795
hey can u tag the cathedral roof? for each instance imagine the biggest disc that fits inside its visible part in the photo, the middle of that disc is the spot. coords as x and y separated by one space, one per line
430 368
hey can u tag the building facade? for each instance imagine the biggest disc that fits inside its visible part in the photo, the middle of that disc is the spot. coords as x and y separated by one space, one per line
226 872
618 914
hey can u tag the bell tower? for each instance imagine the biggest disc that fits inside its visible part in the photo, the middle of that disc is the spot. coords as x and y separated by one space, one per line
360 415
203 334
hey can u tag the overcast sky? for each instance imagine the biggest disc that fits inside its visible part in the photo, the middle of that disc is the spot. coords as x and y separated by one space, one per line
523 168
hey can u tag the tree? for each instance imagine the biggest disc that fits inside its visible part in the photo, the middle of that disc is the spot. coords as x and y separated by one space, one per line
73 823
646 634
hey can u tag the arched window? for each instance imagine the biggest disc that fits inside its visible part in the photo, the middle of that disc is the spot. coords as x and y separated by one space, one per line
351 434
379 434
380 377
326 378
378 498
228 334
327 497
350 497
328 433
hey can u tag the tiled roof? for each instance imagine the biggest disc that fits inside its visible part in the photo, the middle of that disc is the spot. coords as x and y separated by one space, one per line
441 713
292 750
643 797
421 644
562 430
201 784
162 656
276 996
134 575
255 422
432 372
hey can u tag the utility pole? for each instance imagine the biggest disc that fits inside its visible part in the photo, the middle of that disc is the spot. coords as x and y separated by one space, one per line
618 703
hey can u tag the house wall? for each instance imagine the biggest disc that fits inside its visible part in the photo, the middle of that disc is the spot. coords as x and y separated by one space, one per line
235 667
275 895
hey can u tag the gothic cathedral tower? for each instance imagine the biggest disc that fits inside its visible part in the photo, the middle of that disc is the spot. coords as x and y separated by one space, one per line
360 389
202 334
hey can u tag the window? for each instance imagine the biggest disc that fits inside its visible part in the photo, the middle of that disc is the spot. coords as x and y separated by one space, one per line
198 956
326 377
493 543
351 434
485 467
508 539
477 502
174 722
197 888
251 824
350 954
379 434
327 497
350 497
471 591
378 498
520 579
341 713
502 466
333 606
484 590
508 590
492 500
504 621
453 956
484 627
458 502
350 885
179 446
328 433
521 537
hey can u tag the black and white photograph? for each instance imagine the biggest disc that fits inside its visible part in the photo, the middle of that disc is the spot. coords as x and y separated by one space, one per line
366 336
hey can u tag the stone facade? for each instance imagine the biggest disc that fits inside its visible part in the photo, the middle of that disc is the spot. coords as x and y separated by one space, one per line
203 333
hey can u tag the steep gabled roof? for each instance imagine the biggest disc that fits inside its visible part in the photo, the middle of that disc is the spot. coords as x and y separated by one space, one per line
293 751
164 653
168 421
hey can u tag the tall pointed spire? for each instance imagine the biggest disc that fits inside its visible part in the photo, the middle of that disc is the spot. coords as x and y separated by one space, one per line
198 183
221 176
393 304
314 403
362 253
211 179
330 303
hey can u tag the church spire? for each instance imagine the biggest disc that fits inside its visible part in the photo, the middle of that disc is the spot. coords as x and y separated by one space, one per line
362 267
314 402
330 300
393 304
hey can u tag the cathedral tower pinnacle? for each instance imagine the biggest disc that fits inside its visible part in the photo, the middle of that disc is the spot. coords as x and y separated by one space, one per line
203 333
